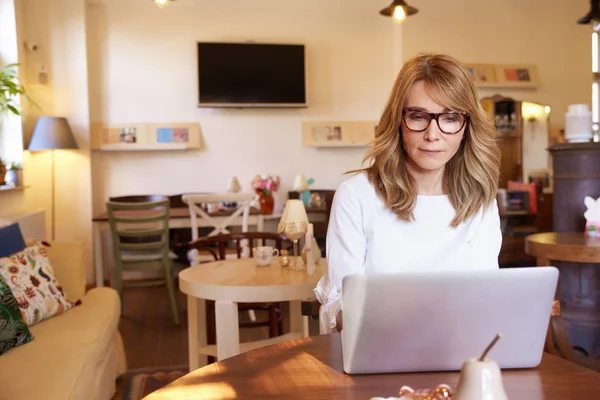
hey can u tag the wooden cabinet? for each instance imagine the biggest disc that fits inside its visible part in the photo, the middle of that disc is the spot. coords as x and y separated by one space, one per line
523 134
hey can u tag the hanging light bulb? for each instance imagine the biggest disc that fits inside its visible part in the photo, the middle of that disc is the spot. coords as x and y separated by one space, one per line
399 14
162 3
398 10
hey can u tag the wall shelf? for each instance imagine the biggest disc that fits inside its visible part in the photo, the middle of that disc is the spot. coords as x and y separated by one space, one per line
338 134
143 147
337 145
132 136
5 189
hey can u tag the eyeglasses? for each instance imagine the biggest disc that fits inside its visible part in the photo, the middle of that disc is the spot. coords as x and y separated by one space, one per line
448 122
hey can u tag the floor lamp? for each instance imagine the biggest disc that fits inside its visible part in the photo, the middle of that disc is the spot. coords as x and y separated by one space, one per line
52 133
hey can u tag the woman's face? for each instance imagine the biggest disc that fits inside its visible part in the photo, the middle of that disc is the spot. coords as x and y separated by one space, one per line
430 149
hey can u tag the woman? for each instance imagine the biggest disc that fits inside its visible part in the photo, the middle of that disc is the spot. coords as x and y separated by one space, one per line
427 200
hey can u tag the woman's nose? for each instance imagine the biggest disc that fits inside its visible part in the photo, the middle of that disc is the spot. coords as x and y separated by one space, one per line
432 133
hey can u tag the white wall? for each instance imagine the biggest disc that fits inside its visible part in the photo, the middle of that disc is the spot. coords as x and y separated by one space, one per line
58 28
143 68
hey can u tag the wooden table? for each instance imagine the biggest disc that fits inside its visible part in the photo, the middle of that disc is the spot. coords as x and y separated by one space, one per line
179 217
563 246
577 291
311 368
229 282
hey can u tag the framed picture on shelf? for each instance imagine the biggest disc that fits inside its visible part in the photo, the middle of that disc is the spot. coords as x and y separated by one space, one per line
174 133
482 73
338 134
518 75
118 134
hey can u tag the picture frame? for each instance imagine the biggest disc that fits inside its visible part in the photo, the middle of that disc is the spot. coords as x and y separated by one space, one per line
517 75
121 135
484 74
338 133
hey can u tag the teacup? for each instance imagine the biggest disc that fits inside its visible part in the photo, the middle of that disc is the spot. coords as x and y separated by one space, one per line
263 255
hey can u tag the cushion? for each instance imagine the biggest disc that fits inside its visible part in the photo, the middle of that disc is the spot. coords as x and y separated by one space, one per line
31 279
11 240
13 330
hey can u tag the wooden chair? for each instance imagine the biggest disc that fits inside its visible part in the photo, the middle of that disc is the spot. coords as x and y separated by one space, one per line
140 234
195 203
559 344
219 246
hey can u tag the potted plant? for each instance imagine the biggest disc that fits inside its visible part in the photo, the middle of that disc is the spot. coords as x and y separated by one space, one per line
10 90
15 174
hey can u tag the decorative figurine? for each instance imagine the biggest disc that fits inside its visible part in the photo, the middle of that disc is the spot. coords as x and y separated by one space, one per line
481 378
284 259
592 216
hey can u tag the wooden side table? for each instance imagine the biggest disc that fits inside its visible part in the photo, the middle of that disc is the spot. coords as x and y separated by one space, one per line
229 282
573 247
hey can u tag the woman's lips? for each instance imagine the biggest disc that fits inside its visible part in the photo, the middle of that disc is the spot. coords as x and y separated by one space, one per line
431 152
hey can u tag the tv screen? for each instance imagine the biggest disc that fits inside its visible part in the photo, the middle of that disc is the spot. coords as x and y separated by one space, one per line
251 75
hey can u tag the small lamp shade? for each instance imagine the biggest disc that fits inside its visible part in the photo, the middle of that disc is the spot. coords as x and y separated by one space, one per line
294 221
390 11
592 15
300 183
234 185
52 133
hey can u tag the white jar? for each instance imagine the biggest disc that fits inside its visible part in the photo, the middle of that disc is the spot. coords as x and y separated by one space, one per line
578 124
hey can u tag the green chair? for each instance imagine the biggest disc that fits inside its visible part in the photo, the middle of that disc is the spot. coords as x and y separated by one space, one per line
140 232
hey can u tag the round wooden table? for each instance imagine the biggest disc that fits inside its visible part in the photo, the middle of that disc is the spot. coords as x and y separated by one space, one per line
311 368
563 246
579 321
235 281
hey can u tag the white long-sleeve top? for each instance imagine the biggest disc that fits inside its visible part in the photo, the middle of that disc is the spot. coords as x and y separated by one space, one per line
364 237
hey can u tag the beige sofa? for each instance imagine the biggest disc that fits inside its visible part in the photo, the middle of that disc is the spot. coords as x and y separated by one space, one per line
75 355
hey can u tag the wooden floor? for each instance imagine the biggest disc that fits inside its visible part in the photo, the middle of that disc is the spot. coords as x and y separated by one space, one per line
151 338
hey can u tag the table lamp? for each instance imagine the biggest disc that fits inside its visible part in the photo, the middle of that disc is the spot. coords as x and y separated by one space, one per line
294 223
52 133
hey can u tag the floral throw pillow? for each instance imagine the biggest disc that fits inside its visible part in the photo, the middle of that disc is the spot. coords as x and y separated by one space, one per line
13 330
31 279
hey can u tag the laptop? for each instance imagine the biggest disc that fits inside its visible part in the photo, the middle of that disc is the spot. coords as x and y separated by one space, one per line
434 321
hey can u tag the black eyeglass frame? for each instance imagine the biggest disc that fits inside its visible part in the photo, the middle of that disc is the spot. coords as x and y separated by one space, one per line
436 116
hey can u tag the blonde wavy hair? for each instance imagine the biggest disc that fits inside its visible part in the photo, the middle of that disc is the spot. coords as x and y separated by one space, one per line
471 176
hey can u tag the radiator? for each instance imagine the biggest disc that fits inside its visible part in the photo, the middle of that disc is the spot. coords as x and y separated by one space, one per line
32 223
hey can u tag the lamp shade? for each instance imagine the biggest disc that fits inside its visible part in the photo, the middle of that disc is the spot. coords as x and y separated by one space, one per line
300 183
294 221
593 14
52 133
389 10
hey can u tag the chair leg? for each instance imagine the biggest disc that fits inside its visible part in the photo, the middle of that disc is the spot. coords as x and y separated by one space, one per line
273 321
280 318
211 333
118 281
171 289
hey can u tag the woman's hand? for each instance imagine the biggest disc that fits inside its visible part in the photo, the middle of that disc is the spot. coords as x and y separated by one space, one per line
339 321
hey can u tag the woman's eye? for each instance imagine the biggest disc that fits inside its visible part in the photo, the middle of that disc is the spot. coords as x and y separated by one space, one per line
417 117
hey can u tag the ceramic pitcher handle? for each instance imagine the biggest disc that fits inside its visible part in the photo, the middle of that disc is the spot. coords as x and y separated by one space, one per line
275 253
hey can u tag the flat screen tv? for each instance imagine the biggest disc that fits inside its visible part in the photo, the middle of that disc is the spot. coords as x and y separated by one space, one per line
251 75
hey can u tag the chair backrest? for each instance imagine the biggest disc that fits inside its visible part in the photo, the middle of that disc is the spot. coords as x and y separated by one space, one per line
139 226
196 204
138 198
221 243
